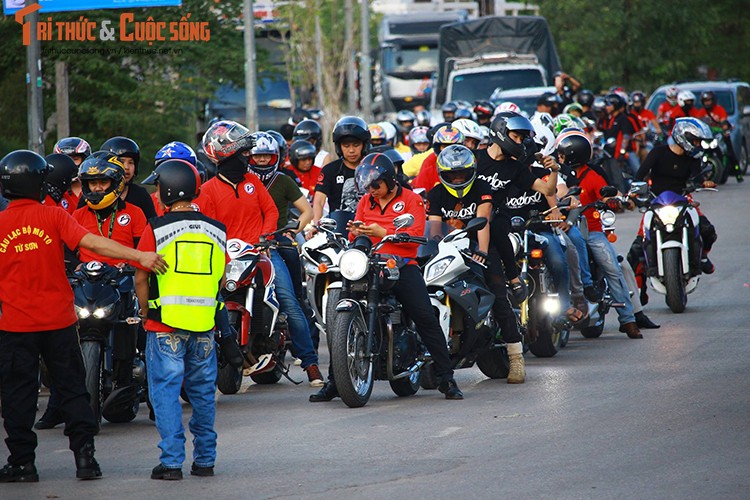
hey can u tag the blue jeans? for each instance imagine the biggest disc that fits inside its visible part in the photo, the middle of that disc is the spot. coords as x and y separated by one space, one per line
574 234
606 258
171 359
299 329
554 256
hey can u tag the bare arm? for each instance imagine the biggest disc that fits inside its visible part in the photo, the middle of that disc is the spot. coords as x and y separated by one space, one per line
109 248
483 235
319 201
141 290
306 212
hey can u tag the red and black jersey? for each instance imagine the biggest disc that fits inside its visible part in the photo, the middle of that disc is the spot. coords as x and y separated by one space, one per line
125 226
618 126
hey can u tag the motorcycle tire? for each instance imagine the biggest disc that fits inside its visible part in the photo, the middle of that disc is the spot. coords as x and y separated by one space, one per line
229 379
564 337
676 297
547 338
93 364
594 331
333 300
184 394
273 376
494 363
125 416
744 159
428 380
354 379
407 386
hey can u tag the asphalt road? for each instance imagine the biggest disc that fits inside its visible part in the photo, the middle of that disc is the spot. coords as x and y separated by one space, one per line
662 417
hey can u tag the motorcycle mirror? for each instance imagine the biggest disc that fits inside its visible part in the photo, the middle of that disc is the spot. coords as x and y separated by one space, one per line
608 191
327 223
476 224
517 223
639 188
564 203
574 191
403 221
610 141
292 224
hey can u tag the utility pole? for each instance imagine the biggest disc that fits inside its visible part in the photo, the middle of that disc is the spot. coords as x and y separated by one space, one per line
251 101
34 86
319 58
364 63
61 99
351 70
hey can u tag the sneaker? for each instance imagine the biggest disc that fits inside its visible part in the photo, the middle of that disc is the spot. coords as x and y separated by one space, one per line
161 472
197 470
314 376
19 473
297 362
450 389
707 267
517 371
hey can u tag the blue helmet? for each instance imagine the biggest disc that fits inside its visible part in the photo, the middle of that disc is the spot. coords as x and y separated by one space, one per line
175 151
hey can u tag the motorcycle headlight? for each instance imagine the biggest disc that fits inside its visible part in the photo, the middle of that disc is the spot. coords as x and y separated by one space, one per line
353 264
234 270
230 285
706 145
551 305
668 214
714 144
608 218
82 312
436 269
103 312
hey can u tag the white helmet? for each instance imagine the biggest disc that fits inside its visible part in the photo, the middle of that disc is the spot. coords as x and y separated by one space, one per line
390 132
544 137
469 128
685 95
544 119
485 135
507 106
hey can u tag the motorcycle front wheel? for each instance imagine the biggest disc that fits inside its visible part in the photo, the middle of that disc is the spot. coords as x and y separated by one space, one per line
93 363
547 338
429 380
229 379
333 300
352 368
676 296
407 386
494 362
273 376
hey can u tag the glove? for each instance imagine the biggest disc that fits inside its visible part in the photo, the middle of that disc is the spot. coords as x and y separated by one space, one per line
519 291
614 204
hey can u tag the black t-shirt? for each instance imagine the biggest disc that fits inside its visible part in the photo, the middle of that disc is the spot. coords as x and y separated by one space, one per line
336 181
668 171
454 211
520 202
500 175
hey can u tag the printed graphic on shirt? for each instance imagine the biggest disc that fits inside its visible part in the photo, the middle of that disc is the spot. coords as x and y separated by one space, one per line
398 207
349 196
7 241
494 181
64 204
249 188
123 219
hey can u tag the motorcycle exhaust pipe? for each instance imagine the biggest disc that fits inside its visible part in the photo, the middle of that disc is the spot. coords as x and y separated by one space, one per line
411 371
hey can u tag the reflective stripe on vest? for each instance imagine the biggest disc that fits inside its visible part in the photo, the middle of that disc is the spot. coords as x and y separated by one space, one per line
194 251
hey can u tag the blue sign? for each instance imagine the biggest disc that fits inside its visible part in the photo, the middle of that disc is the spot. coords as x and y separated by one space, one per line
11 6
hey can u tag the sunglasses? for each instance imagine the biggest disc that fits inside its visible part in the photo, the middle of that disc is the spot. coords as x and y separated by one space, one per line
375 185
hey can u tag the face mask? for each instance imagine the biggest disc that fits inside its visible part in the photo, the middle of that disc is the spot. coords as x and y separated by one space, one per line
234 169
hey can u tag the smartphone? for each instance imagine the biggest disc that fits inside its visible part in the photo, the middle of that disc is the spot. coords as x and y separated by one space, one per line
357 223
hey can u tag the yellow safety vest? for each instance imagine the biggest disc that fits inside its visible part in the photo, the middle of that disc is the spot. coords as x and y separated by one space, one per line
193 246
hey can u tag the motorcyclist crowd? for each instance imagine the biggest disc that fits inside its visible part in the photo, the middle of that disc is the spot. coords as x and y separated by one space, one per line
482 160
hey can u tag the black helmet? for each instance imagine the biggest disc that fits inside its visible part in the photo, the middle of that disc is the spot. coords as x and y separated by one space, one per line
299 151
201 168
281 143
351 126
574 146
375 168
483 109
615 100
548 99
310 131
423 118
177 180
61 176
407 119
102 165
22 175
449 108
506 122
585 98
392 154
637 96
73 146
123 147
708 95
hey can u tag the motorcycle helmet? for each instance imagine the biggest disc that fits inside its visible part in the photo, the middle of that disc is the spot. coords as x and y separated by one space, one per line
445 136
390 133
507 106
637 99
457 169
485 136
463 113
353 127
544 138
123 147
301 150
507 122
73 146
60 177
225 139
175 151
563 121
574 109
599 106
685 98
688 134
549 99
377 134
375 168
433 130
177 180
102 166
310 131
574 146
392 154
282 145
201 168
585 97
423 118
418 135
615 100
671 94
406 119
265 144
543 119
470 130
449 111
708 98
22 175
483 110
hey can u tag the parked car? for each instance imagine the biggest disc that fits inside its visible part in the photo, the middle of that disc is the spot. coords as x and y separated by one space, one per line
734 96
523 98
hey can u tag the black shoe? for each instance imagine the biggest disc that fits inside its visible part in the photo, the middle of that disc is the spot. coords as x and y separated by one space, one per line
231 351
326 393
592 294
86 465
196 470
19 474
644 295
707 267
644 321
450 389
161 472
49 420
740 178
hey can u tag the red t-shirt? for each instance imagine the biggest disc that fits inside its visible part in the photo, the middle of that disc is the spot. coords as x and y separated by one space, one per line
591 183
247 212
717 115
428 175
127 228
645 116
309 179
157 205
665 112
405 202
35 294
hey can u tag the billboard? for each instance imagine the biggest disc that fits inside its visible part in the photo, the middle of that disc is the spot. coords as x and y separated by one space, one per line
11 6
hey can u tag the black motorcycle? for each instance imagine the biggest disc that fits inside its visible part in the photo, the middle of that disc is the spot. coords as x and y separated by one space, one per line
107 310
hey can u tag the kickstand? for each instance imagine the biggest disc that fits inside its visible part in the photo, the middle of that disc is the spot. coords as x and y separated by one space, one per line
285 373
